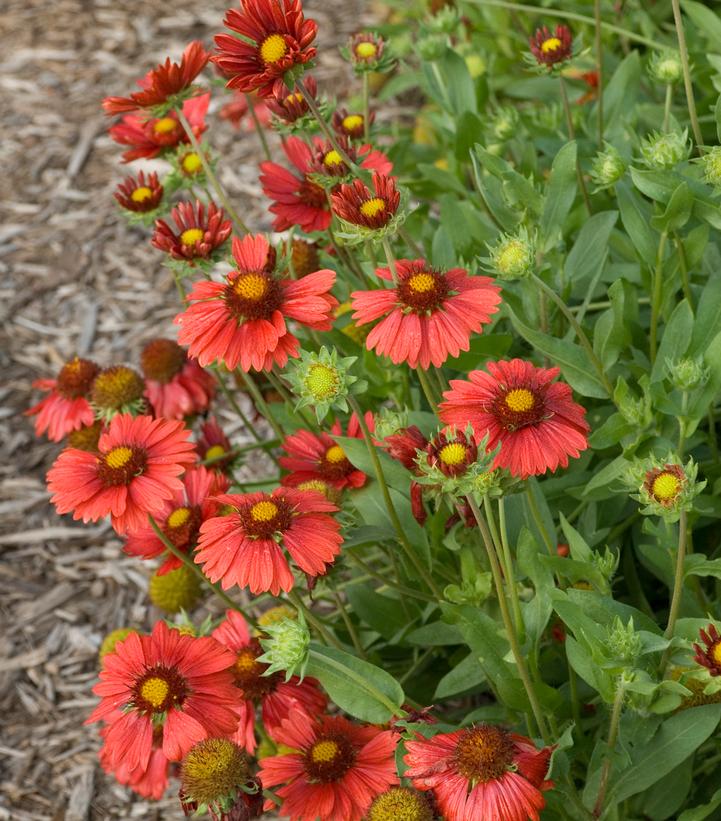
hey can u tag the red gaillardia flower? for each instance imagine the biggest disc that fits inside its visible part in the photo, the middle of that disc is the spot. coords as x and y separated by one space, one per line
350 125
317 458
167 679
140 194
336 770
180 518
272 693
175 385
366 48
150 781
357 204
163 83
147 138
280 38
327 161
709 656
429 315
214 444
552 49
297 200
534 419
288 105
66 408
482 773
197 235
236 111
246 546
404 445
451 452
665 484
243 320
135 471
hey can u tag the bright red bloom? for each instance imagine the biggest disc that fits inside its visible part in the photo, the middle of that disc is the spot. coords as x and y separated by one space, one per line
326 161
404 446
350 125
451 452
552 49
237 110
151 781
534 419
135 471
243 320
66 408
709 656
214 444
482 773
246 546
175 385
197 235
149 137
272 693
180 518
281 39
162 83
337 771
168 678
313 457
140 194
288 105
297 200
357 204
428 316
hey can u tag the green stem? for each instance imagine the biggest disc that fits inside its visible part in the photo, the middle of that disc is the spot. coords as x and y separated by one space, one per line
261 404
599 68
683 268
611 746
677 586
573 693
258 128
572 136
301 607
688 85
656 296
538 520
187 560
427 389
667 107
391 259
682 425
508 565
366 108
347 621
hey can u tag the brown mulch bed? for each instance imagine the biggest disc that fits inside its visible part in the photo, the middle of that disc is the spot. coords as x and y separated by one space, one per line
74 278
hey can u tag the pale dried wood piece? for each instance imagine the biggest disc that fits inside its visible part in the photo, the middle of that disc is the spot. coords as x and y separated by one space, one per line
25 660
49 534
81 796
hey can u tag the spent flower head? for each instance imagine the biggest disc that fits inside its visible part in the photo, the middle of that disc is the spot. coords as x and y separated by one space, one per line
212 772
665 150
117 389
666 67
513 256
286 647
323 381
664 487
607 167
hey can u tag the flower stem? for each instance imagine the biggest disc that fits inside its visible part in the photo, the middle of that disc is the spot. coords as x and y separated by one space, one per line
677 586
683 268
366 107
508 566
188 562
352 632
427 389
210 174
667 107
258 128
391 259
329 135
599 69
572 136
301 607
688 85
612 737
656 296
261 404
536 514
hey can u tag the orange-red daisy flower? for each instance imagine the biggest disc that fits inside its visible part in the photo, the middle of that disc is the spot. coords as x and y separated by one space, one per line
272 693
350 125
274 37
335 771
150 781
163 83
288 105
175 385
197 235
180 518
534 419
140 194
550 49
134 472
327 161
214 444
404 445
243 320
709 655
66 407
246 546
481 773
167 679
316 457
359 205
429 315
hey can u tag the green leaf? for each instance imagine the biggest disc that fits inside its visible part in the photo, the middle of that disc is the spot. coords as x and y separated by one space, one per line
621 91
469 130
486 346
459 88
708 316
636 216
385 615
464 676
663 800
537 611
610 333
703 811
677 211
357 452
590 249
706 21
435 634
675 340
560 195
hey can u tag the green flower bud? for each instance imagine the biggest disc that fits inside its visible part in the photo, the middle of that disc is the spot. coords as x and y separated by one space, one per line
287 647
665 150
687 374
505 123
389 422
624 644
445 21
323 380
476 65
431 47
607 167
711 164
666 67
513 256
664 487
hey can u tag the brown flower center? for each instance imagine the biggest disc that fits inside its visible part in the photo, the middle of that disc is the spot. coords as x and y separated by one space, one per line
76 378
117 386
329 758
159 689
400 804
334 464
484 753
311 194
516 408
423 290
248 672
161 360
121 465
253 295
265 517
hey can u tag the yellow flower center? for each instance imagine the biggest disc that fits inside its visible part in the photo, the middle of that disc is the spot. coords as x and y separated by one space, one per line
251 286
400 804
520 400
512 256
372 207
192 163
273 49
353 122
421 283
215 452
264 511
118 457
192 236
165 125
716 653
275 615
453 453
246 663
335 454
332 158
551 44
141 194
366 50
666 486
155 691
322 381
210 762
294 98
324 751
179 517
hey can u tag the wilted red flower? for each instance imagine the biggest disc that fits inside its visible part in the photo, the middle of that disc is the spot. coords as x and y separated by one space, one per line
288 105
214 444
404 445
350 125
534 419
140 194
66 407
552 49
272 693
87 436
180 518
304 257
135 471
175 385
244 319
481 773
429 315
316 456
328 162
236 111
335 771
246 546
149 137
196 235
297 200
281 39
357 204
167 679
709 656
163 83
